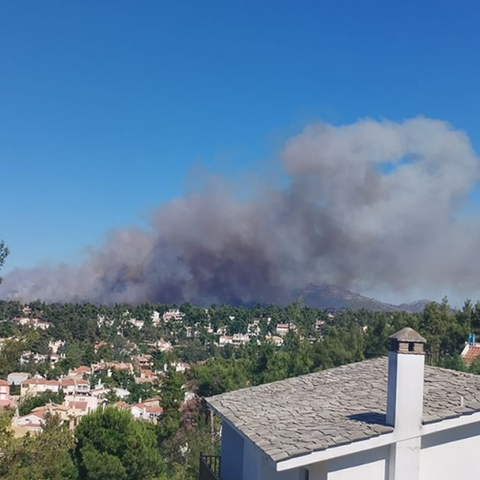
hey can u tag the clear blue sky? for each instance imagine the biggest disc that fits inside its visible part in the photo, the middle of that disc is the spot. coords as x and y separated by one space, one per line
105 106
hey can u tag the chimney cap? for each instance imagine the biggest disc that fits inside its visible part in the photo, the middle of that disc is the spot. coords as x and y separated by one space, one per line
408 334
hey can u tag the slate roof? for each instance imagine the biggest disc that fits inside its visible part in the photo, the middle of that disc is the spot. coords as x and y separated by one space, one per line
408 334
338 406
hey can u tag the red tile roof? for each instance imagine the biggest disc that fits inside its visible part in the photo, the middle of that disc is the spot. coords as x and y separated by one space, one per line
81 370
3 383
35 381
471 353
79 405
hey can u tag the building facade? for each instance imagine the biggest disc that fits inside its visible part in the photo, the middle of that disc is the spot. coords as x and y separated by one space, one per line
382 419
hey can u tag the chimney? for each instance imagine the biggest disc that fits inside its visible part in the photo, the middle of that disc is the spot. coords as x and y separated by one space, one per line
406 364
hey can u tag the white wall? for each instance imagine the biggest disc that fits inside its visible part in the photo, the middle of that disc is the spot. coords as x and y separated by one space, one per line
451 454
369 465
231 466
446 455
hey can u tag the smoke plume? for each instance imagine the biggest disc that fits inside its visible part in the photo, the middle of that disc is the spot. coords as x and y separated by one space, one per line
372 206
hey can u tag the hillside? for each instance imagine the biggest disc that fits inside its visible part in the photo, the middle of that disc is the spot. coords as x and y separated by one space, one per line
330 296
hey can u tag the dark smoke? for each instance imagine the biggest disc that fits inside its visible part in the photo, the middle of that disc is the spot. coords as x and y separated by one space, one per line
372 206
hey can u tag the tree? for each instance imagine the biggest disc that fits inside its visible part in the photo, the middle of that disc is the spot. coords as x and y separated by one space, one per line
27 403
46 456
112 445
4 251
172 395
198 433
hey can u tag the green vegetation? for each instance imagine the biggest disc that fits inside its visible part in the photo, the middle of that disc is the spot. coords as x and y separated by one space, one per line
110 444
3 254
28 403
47 456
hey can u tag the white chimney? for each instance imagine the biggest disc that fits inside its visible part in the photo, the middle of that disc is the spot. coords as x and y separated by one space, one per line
406 364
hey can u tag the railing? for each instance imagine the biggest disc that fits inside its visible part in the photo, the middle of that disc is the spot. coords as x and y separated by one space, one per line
209 467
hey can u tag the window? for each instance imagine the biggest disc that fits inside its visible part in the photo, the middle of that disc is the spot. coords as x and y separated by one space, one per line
411 347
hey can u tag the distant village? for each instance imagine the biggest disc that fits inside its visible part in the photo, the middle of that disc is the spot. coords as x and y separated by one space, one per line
87 387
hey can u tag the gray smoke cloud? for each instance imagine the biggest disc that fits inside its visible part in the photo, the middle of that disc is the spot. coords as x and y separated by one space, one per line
375 206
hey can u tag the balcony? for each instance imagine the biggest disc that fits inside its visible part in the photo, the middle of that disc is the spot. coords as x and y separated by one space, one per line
209 467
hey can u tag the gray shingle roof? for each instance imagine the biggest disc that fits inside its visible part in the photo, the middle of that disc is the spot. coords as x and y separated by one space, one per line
336 406
408 334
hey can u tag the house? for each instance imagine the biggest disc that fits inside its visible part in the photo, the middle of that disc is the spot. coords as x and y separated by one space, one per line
108 366
146 376
16 378
471 351
173 313
54 346
278 341
381 419
181 367
74 386
5 400
162 345
155 318
149 410
68 412
36 385
80 371
225 340
36 323
34 421
137 323
283 328
142 361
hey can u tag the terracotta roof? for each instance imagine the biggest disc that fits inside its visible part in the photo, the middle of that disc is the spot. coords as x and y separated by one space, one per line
73 381
38 412
154 409
81 370
4 383
34 381
471 353
78 405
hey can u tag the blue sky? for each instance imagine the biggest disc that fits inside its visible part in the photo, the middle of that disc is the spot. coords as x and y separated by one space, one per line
106 106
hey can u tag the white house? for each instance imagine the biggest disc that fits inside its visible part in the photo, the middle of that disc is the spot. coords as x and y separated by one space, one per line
379 419
16 378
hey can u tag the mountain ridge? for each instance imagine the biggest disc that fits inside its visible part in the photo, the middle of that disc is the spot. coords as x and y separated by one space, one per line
338 298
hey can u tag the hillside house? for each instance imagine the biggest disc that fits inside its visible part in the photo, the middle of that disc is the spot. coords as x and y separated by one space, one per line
181 367
142 361
471 351
36 385
381 419
16 378
149 410
173 314
79 372
74 386
5 400
283 328
33 422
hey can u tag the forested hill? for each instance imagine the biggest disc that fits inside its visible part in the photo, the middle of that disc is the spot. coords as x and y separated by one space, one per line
337 298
